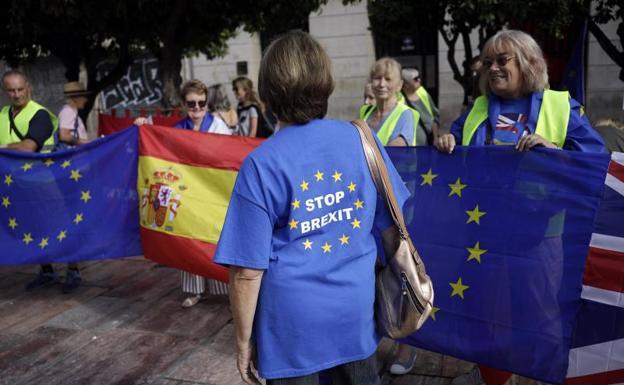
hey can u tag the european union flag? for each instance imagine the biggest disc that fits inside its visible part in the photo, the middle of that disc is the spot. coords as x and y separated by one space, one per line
504 236
574 73
73 205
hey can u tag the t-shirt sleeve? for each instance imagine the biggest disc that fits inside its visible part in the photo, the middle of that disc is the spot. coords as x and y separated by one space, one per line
458 126
253 112
383 219
435 110
404 127
66 118
40 128
246 237
581 136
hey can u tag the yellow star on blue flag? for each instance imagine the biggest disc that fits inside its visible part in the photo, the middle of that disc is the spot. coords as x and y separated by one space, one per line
475 215
428 178
458 288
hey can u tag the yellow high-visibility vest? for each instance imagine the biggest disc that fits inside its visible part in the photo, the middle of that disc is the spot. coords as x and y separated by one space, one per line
22 120
552 121
386 130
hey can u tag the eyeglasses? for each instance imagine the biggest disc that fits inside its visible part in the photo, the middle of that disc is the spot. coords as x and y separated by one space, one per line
500 61
194 103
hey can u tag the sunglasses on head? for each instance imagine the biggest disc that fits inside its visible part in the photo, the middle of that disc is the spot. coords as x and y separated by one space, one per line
193 103
500 61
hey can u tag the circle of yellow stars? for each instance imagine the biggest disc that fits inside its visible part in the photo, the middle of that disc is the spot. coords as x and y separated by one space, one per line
319 176
475 215
13 224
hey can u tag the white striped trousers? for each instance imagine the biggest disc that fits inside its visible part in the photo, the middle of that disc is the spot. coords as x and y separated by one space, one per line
196 284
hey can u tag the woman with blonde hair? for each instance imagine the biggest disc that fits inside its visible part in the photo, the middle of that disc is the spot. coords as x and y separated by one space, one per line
249 109
394 123
298 234
516 107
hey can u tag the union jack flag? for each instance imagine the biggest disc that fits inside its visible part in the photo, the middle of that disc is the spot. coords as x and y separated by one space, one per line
597 351
507 122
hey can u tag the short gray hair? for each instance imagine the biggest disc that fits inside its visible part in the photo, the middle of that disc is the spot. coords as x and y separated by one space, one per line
409 74
524 49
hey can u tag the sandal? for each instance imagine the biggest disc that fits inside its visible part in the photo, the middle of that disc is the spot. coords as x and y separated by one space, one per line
191 301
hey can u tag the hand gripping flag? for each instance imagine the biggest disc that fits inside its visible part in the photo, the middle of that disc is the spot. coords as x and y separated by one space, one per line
185 182
73 205
504 236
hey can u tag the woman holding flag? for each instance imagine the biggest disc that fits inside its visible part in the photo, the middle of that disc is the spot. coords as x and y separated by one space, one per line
194 95
517 109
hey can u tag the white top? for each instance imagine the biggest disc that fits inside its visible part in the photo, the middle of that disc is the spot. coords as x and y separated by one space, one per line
218 126
67 119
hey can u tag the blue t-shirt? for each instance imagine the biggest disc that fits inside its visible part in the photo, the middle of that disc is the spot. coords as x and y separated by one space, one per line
580 136
303 208
511 123
404 126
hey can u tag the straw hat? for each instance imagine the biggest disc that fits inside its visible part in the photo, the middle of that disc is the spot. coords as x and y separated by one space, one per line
74 89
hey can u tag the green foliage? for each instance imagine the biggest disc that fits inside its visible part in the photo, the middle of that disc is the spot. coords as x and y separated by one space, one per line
89 31
457 20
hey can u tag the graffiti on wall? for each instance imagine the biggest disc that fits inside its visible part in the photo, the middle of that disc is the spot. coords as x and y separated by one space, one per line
139 87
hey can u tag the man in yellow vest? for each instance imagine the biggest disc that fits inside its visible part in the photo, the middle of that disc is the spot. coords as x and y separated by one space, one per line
417 97
26 125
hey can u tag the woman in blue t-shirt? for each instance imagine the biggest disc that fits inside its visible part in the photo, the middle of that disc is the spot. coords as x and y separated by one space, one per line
392 121
298 235
517 109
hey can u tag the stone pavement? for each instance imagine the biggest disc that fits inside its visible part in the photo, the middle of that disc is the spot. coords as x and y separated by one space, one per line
125 325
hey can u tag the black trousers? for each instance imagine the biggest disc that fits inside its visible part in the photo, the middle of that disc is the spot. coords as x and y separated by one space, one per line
362 372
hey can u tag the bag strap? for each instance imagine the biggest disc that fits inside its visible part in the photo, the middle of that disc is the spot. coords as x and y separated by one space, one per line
379 172
13 127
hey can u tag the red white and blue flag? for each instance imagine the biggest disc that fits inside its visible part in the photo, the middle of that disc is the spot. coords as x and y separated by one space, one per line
597 353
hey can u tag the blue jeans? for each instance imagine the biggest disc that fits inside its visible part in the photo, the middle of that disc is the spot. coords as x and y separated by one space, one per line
362 372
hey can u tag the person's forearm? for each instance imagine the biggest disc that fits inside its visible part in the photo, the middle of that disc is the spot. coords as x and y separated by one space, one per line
66 135
26 145
253 127
244 290
399 141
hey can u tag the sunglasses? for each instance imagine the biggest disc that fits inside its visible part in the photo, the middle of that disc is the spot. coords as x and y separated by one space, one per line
500 61
194 103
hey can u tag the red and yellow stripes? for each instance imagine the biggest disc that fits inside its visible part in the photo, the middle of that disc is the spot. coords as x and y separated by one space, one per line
185 180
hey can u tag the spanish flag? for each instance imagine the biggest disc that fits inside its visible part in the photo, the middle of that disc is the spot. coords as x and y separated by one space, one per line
185 180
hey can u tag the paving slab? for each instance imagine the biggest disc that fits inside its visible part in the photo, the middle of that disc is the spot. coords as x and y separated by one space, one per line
413 379
453 367
115 272
167 316
115 357
96 314
29 310
42 349
153 283
214 363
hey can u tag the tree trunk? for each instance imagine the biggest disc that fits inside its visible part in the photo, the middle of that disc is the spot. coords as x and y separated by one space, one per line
95 85
450 56
170 57
466 78
609 48
170 63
